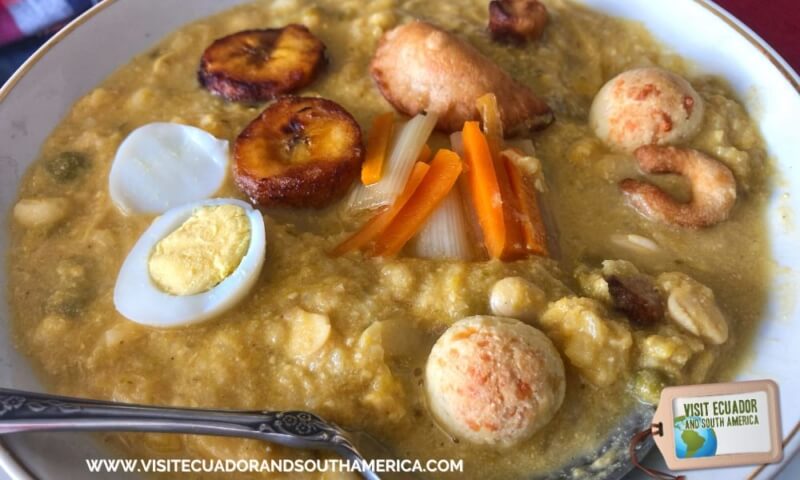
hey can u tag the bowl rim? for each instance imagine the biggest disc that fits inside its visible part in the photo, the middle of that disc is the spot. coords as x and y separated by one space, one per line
15 467
737 25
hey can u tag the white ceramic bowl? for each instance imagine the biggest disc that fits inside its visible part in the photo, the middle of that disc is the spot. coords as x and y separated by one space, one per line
93 46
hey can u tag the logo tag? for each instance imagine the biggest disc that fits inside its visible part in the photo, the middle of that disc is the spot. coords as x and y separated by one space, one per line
719 425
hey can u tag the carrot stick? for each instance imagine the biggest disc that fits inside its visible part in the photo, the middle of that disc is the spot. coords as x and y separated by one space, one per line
484 190
493 129
474 227
440 179
474 230
425 154
515 240
379 222
377 148
531 220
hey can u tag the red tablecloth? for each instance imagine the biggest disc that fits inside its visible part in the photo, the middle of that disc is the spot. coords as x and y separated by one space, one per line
776 21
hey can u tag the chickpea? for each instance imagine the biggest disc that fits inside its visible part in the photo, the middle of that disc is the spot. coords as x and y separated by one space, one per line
40 212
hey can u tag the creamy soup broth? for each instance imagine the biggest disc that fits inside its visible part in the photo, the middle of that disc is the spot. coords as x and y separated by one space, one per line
385 314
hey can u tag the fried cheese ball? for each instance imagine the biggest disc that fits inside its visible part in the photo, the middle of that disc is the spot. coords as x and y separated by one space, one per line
646 106
494 381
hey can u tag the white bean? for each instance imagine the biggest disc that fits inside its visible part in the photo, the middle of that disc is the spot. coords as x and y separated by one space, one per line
692 306
40 212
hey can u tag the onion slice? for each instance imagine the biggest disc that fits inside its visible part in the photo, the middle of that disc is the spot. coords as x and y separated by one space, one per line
406 147
457 143
524 144
445 235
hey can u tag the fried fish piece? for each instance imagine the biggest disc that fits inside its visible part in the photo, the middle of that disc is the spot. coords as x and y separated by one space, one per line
258 65
420 67
300 152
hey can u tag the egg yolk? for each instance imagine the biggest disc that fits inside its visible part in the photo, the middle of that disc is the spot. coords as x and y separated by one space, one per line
202 252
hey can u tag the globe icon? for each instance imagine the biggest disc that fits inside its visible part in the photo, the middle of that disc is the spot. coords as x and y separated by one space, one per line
693 442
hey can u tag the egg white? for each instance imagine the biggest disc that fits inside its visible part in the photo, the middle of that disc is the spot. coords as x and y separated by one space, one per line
138 298
163 165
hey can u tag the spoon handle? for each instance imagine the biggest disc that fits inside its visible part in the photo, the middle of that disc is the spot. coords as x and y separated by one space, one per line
17 405
22 411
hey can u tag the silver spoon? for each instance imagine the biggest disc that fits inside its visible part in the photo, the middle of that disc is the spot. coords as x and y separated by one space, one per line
22 411
31 412
612 461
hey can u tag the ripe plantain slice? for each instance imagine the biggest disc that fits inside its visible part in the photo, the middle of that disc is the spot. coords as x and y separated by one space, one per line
257 65
300 152
517 20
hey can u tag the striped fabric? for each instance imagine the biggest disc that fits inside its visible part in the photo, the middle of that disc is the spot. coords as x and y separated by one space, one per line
22 18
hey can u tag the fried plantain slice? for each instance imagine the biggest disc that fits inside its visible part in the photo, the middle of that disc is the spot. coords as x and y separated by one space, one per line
258 65
517 20
300 152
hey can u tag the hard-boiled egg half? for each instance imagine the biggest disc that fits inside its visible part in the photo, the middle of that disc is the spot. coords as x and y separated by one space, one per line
163 165
193 262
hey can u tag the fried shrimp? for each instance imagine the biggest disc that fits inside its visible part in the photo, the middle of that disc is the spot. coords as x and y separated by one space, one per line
712 184
419 67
